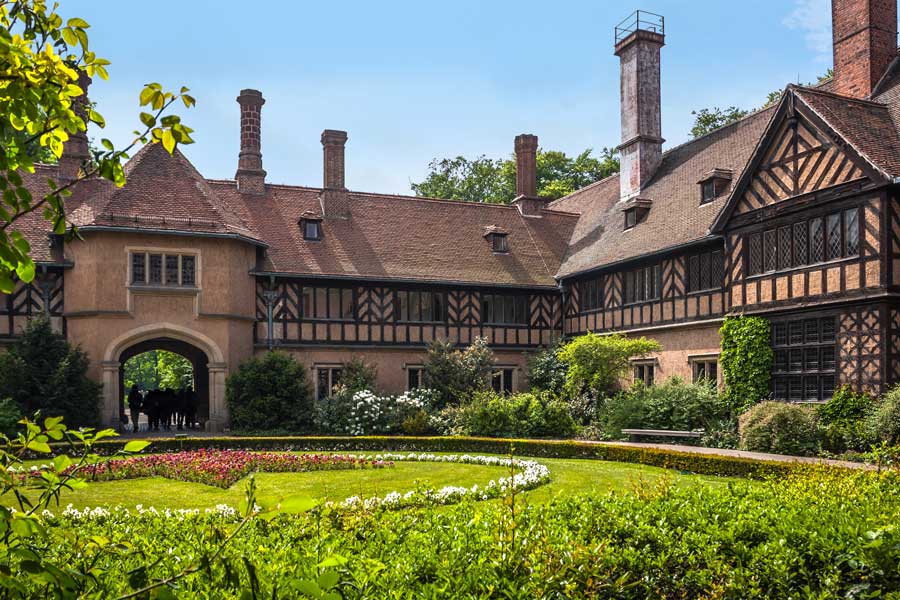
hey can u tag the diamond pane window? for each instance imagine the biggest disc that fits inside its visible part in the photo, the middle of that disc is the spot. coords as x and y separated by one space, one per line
770 245
834 245
171 269
156 268
188 271
138 268
851 232
784 248
800 249
816 241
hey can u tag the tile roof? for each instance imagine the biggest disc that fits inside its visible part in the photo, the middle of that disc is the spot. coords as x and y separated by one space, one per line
676 216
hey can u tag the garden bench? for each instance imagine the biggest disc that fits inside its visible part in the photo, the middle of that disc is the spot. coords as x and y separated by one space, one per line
636 433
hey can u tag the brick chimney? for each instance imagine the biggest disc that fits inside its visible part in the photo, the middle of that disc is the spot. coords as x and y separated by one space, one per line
250 176
335 199
638 42
864 34
76 151
527 200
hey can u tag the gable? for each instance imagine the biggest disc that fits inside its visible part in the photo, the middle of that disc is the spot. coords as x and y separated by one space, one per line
800 158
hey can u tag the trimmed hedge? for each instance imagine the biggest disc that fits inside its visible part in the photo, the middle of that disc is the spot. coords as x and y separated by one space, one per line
704 464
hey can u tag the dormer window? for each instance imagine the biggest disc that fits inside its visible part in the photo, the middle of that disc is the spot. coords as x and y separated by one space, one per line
714 184
497 237
635 211
630 218
311 225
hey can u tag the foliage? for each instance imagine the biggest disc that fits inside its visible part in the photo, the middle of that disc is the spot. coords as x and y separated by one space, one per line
41 371
520 415
671 405
845 404
365 413
483 179
454 374
780 428
708 120
884 420
270 392
746 360
158 369
597 362
842 424
42 104
10 415
358 375
546 372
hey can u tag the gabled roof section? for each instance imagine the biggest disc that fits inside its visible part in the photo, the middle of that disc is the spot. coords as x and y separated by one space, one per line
815 140
405 238
676 218
163 192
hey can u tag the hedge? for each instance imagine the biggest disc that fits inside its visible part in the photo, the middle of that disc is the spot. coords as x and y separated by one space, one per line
704 464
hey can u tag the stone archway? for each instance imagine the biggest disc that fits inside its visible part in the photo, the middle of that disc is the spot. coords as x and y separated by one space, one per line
200 349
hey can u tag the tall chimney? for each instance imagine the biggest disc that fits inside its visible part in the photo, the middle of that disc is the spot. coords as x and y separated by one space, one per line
526 165
864 36
333 143
638 42
250 176
76 151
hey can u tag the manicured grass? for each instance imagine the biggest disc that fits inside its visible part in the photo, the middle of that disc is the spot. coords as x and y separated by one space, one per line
569 476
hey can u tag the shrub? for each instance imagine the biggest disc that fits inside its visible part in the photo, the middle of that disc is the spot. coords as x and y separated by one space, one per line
526 415
357 375
270 392
746 360
845 404
10 414
455 374
672 405
596 362
884 420
841 421
41 371
547 372
779 427
365 413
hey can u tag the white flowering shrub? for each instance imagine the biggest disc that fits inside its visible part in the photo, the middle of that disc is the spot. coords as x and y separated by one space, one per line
367 413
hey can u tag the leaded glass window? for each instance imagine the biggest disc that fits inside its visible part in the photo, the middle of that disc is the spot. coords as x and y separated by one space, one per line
156 268
851 232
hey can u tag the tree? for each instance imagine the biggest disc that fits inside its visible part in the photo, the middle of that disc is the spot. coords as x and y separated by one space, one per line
493 181
597 362
270 392
45 63
43 372
455 374
707 121
158 369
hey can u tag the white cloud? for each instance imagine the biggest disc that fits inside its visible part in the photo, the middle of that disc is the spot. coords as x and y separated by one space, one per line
814 18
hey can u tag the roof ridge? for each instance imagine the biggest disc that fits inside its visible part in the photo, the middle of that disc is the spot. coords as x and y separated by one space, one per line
863 101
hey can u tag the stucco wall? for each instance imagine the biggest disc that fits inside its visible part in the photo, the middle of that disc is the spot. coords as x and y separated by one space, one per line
679 346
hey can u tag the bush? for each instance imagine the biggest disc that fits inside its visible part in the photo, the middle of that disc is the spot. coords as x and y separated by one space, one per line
270 392
672 405
746 360
365 413
596 362
358 375
547 372
842 425
10 414
526 415
780 428
455 374
844 405
41 371
884 421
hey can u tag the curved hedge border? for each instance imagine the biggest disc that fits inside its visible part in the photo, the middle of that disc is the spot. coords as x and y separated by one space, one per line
704 464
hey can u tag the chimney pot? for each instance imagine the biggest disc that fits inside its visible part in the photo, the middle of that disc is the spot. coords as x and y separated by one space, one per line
250 176
76 151
333 142
638 48
864 34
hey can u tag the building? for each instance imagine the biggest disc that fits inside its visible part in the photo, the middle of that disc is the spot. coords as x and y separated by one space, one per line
790 213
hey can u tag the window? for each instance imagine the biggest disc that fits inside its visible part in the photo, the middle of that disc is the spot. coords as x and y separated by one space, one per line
504 309
642 285
414 377
804 366
706 271
707 191
327 377
499 242
328 303
644 372
312 229
832 237
502 380
630 218
590 295
169 270
705 369
421 307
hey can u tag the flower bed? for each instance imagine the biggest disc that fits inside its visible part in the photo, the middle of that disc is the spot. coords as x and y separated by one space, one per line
222 468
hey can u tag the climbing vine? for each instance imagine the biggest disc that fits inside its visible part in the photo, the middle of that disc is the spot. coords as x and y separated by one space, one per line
746 360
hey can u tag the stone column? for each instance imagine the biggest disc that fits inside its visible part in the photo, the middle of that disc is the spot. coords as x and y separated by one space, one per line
218 410
110 410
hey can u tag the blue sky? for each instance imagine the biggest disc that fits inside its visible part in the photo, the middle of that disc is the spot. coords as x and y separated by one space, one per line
414 80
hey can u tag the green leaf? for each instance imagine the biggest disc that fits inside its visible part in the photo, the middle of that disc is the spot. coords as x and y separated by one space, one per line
17 122
297 504
309 588
336 560
136 445
76 22
37 446
148 120
328 580
62 462
147 95
168 141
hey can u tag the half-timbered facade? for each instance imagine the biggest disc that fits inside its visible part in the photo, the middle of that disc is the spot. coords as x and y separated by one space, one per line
790 213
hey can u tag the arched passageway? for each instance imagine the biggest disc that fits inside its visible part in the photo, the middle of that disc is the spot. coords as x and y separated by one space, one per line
199 363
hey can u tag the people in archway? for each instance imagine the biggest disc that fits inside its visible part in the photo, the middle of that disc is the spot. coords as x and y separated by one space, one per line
151 409
134 406
189 407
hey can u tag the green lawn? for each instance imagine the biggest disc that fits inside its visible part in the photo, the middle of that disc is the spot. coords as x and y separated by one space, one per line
568 477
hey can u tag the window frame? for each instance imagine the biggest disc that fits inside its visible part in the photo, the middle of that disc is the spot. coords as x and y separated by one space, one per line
327 293
630 218
317 223
499 243
166 281
435 296
503 379
704 361
416 371
489 304
804 356
705 271
644 371
330 368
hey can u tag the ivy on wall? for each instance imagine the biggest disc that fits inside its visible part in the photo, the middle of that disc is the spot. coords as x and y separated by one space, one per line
746 360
